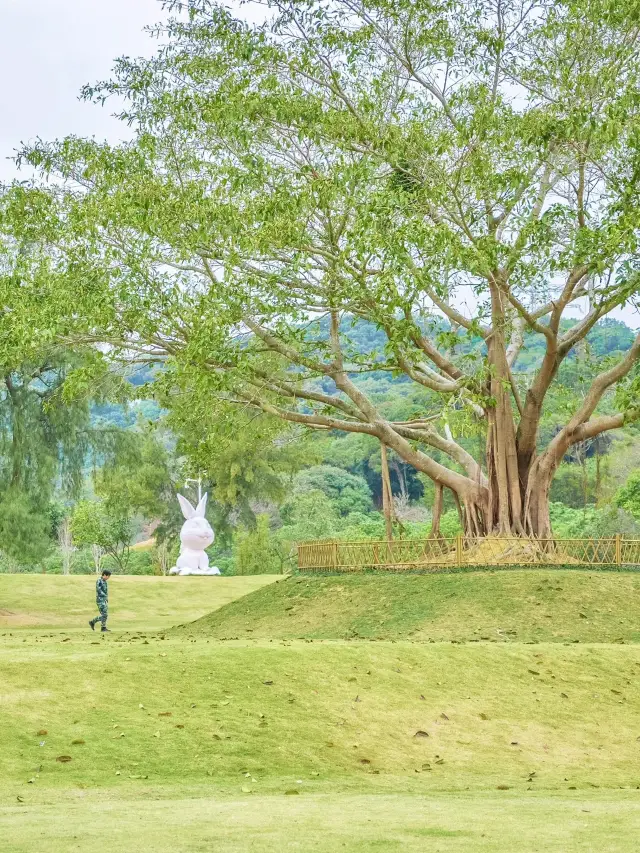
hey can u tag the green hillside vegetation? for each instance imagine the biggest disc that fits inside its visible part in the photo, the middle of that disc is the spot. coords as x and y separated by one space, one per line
271 488
526 605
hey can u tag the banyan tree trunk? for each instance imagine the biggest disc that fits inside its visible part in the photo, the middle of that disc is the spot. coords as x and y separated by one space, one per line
505 504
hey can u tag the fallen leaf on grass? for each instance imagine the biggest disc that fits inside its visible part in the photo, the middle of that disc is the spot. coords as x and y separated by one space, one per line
179 726
165 714
268 683
64 759
42 733
421 733
533 671
78 742
364 761
484 716
443 717
564 695
291 792
246 790
502 787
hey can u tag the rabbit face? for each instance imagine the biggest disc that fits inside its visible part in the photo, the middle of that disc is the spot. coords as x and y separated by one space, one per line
196 532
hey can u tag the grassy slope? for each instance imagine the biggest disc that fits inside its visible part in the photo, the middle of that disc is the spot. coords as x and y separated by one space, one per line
528 605
53 601
343 710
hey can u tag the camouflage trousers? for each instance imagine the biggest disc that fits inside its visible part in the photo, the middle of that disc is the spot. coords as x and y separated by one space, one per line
104 613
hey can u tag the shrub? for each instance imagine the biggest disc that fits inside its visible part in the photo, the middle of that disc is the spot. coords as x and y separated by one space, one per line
254 552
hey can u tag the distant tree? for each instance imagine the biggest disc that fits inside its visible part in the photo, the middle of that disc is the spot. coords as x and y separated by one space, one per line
25 527
65 543
97 552
254 552
347 492
45 441
94 523
311 515
247 458
137 475
628 496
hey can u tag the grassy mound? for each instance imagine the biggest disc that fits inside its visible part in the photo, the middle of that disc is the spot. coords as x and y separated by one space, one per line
528 605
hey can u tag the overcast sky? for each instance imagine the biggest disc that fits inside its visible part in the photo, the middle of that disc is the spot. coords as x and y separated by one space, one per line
51 48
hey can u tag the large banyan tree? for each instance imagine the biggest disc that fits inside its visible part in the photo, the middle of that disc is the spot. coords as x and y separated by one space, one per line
461 173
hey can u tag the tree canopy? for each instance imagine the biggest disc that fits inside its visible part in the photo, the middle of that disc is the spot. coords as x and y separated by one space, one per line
462 174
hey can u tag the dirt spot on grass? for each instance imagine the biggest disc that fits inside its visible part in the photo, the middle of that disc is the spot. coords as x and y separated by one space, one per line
11 619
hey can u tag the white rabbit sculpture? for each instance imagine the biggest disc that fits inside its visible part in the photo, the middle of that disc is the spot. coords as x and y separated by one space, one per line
195 536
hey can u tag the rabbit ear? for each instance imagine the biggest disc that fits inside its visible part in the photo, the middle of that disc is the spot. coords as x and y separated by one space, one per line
187 509
202 506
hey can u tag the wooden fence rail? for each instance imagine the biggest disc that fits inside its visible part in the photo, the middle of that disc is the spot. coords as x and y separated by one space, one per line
457 551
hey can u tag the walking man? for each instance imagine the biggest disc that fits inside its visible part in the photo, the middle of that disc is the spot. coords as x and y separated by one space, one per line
102 600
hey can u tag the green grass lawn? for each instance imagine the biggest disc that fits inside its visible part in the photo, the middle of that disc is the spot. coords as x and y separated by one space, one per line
152 603
131 742
528 605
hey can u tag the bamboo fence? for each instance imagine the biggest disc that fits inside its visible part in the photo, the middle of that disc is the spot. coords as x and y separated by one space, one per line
459 551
